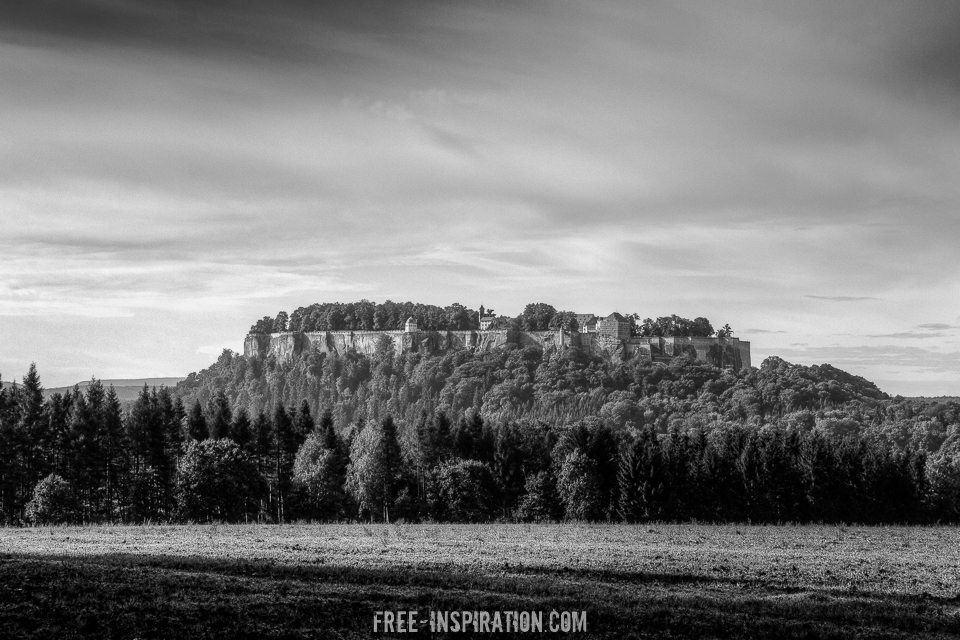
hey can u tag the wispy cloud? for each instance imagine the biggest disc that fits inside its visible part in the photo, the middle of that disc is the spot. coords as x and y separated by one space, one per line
910 335
842 298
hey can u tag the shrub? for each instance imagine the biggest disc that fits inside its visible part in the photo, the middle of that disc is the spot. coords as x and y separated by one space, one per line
462 491
54 502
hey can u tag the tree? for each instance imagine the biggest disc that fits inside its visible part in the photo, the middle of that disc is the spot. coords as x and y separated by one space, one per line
216 481
943 475
578 485
197 423
220 415
29 437
642 477
462 491
241 431
115 446
537 316
320 469
285 445
318 472
54 502
303 424
566 320
375 472
540 502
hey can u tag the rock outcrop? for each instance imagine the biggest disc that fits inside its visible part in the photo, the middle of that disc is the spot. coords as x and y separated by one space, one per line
725 352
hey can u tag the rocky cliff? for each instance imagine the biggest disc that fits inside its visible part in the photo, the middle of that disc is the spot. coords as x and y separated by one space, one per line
287 345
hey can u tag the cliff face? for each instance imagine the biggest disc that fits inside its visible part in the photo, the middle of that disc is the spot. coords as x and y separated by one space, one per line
288 345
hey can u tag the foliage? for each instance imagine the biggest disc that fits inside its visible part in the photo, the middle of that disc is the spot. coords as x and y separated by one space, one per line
374 475
216 481
595 439
320 470
540 502
462 491
54 502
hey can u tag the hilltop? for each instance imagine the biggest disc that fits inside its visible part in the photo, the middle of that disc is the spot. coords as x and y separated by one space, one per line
127 389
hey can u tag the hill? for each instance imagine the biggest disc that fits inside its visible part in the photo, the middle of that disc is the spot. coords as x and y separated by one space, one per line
127 389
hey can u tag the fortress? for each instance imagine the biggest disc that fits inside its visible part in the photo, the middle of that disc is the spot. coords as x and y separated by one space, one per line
608 337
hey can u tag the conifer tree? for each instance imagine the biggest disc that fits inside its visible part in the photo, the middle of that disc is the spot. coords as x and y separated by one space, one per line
220 414
642 478
197 423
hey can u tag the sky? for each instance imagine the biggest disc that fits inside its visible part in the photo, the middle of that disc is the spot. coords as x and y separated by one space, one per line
173 170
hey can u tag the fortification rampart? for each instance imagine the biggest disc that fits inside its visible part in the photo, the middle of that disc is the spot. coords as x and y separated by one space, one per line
287 345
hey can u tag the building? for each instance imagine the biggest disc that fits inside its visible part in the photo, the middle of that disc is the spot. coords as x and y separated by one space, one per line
586 322
486 321
614 326
411 325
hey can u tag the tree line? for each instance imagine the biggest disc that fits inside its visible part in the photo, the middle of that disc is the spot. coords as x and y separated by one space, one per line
392 316
82 457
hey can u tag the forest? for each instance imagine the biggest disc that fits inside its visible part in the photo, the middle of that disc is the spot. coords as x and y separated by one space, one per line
508 435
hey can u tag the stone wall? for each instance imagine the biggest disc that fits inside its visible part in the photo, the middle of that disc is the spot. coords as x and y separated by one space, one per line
287 345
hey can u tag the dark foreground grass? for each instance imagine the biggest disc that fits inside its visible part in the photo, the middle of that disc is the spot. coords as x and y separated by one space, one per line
288 589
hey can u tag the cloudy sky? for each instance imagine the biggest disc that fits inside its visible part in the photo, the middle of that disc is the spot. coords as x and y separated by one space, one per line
170 171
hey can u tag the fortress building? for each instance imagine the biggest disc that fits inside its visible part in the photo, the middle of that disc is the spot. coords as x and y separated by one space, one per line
607 337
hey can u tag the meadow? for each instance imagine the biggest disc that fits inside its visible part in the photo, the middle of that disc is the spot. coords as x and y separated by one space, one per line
319 581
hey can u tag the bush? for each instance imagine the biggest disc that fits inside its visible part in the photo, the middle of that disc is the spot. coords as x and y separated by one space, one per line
54 502
462 491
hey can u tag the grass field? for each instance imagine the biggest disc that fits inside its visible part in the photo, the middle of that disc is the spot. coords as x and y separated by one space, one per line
318 581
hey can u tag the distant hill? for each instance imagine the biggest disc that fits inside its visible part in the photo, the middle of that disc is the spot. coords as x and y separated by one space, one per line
935 399
127 388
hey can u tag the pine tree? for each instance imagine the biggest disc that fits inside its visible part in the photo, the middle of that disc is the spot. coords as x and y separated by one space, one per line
241 430
642 478
197 423
284 450
114 448
218 409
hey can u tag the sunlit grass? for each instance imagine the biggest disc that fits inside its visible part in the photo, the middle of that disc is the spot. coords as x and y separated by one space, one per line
649 580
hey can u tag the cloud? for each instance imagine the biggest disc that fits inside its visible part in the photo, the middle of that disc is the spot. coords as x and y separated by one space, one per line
883 357
927 330
763 331
214 350
910 335
198 157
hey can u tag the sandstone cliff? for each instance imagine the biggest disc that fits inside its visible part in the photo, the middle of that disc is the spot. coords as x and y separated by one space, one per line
287 345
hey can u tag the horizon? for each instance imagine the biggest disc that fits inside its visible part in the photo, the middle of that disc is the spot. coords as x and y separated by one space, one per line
175 171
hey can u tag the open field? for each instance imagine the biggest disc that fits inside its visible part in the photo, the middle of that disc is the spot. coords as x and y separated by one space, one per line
315 581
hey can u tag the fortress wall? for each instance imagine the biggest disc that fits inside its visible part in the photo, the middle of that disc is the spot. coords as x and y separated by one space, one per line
544 340
638 348
744 347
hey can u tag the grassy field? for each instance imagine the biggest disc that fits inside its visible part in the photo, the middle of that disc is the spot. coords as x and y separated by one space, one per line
319 581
